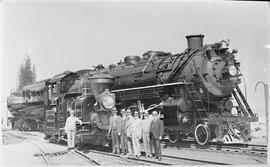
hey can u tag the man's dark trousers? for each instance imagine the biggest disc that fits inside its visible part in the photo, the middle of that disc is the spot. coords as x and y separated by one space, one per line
124 142
155 143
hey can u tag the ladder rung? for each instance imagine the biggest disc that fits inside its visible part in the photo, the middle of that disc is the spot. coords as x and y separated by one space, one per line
193 91
197 100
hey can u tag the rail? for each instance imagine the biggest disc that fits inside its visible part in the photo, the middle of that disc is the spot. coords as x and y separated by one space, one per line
87 158
42 153
260 150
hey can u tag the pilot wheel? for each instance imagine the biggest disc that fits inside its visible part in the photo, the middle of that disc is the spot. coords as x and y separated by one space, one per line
202 134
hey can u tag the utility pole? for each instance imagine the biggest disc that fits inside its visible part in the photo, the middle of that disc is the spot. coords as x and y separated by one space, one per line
266 98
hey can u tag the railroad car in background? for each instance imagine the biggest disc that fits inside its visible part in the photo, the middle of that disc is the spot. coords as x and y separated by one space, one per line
28 106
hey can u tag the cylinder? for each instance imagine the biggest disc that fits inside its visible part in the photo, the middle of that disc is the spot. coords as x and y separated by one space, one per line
195 41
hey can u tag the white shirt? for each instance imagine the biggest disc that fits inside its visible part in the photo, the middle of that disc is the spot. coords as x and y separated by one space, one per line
71 123
146 125
136 127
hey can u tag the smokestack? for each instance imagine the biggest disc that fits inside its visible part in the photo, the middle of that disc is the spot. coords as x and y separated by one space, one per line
195 41
99 82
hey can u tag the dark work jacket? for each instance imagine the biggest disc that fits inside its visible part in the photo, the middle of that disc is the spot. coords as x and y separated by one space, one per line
156 128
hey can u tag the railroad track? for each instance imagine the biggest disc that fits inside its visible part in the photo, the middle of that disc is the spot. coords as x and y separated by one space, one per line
129 160
196 160
259 150
72 157
58 158
87 158
42 153
166 159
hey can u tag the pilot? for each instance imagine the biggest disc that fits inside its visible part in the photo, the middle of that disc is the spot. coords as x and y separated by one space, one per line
70 129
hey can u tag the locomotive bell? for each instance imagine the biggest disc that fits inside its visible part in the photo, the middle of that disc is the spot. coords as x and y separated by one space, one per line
100 82
131 60
195 41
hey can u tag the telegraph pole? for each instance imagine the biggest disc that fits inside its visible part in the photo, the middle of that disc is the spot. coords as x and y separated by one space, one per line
266 98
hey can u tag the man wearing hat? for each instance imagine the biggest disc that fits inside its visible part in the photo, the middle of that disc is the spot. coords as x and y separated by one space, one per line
156 131
146 132
70 128
115 130
124 148
128 130
136 134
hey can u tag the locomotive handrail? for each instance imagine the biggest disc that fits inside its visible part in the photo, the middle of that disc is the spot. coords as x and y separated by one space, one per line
181 66
152 86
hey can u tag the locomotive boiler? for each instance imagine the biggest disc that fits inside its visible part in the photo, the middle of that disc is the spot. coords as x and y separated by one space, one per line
196 92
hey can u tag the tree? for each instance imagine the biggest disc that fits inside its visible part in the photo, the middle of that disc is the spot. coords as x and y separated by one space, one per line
27 73
34 74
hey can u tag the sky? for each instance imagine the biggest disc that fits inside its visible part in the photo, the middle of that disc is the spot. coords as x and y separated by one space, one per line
68 35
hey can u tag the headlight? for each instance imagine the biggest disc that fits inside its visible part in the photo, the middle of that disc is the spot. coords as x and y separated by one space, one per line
232 70
108 102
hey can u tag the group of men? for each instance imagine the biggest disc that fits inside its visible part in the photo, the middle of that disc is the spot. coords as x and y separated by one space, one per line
127 131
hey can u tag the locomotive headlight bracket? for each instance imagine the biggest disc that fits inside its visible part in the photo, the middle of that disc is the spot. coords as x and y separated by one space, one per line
232 70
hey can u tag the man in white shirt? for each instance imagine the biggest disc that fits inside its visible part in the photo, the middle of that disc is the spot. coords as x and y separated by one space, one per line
70 129
136 133
146 133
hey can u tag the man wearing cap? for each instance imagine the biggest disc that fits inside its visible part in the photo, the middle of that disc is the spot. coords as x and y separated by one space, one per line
136 134
128 130
146 132
124 148
115 130
70 128
156 131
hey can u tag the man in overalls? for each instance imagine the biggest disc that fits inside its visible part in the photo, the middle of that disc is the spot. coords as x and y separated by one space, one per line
70 129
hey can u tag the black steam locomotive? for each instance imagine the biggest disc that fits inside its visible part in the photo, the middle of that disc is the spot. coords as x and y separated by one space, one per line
196 93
